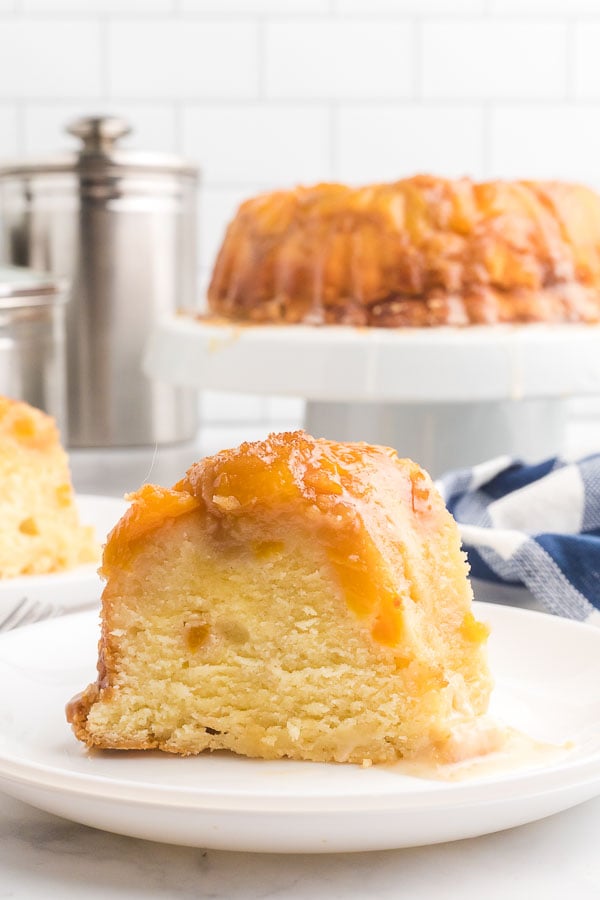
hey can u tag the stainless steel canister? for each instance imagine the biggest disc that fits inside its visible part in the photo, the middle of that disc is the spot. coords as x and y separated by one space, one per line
32 339
121 226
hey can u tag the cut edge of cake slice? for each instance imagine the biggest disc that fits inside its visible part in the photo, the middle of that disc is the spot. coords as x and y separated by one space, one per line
293 598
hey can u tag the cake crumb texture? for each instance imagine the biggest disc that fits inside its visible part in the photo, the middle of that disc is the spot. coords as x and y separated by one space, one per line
293 598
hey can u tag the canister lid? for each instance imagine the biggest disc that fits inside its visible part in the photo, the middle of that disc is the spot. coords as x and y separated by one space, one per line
20 286
100 154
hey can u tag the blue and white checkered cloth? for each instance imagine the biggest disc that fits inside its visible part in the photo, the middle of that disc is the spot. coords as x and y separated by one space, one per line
534 526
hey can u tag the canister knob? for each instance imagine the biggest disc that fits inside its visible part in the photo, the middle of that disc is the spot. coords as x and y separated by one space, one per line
99 133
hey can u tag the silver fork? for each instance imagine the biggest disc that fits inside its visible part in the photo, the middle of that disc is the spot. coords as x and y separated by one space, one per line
27 611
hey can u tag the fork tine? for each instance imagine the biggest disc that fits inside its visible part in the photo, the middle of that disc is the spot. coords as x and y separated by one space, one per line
26 612
14 616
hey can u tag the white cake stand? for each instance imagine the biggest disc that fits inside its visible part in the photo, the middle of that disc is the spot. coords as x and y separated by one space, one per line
446 397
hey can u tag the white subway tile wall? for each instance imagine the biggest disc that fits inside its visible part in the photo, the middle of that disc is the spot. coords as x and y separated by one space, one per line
182 59
408 138
9 128
97 6
269 93
587 61
46 58
554 141
272 145
493 60
339 60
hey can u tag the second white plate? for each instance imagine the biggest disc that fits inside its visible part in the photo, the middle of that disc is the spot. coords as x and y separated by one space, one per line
547 684
34 597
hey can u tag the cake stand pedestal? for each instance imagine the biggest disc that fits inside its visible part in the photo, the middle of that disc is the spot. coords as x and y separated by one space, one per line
446 436
447 397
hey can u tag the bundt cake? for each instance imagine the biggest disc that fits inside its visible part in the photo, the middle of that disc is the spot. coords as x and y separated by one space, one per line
40 530
289 598
418 252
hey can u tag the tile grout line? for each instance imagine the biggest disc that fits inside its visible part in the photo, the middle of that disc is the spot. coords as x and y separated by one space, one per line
178 126
570 58
418 66
104 58
261 56
485 16
334 141
486 139
21 116
399 101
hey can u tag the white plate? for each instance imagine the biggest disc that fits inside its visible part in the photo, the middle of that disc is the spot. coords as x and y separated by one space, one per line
35 597
401 365
548 684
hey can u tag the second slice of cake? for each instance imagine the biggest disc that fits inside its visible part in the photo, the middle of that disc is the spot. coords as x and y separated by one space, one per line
40 528
292 597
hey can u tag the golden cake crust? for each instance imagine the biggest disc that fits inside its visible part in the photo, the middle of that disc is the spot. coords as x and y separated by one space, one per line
417 252
342 492
26 426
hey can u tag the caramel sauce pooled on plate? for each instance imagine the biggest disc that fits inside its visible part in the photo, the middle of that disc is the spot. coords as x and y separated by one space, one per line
479 749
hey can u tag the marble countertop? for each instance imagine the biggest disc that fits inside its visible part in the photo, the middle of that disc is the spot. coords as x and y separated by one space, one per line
46 858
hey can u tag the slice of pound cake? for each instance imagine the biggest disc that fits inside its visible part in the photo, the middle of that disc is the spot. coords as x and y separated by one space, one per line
40 531
292 597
